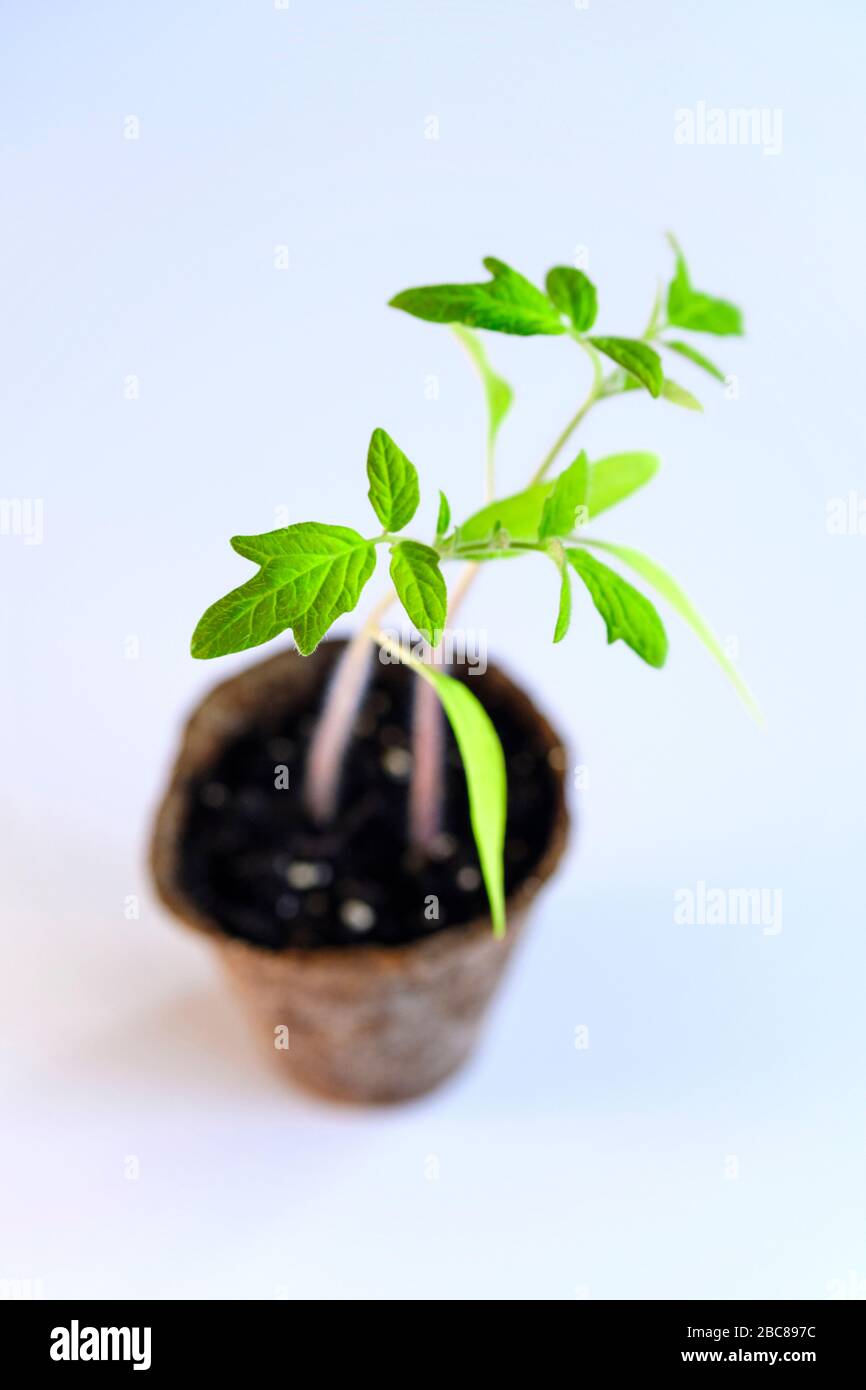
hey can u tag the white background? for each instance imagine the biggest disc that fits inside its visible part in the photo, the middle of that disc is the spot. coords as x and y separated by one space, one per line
561 1172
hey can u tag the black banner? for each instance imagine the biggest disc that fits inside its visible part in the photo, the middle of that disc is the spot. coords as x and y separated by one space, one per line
155 1339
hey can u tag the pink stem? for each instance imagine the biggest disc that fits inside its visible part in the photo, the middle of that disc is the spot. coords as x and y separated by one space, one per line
426 787
426 791
334 730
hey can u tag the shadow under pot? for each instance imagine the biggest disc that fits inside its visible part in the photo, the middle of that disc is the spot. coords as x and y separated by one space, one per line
366 971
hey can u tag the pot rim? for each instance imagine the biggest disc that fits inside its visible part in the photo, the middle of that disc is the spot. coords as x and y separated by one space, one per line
164 857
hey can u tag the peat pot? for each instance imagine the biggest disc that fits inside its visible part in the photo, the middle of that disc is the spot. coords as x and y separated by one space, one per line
365 970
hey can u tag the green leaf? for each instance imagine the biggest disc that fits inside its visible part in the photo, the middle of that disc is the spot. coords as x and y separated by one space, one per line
617 476
394 493
486 783
309 575
506 304
627 614
611 479
686 350
670 590
443 521
567 494
574 294
519 515
499 394
620 381
486 778
420 587
563 617
691 308
636 357
678 395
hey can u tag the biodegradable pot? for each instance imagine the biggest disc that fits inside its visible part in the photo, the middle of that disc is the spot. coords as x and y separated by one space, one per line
369 1022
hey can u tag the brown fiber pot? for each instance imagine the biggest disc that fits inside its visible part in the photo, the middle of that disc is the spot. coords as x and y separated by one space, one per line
365 1023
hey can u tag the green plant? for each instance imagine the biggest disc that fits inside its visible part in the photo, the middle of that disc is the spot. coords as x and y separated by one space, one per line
312 573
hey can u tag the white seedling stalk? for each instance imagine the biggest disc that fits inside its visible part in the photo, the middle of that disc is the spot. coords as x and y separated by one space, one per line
426 792
426 788
333 731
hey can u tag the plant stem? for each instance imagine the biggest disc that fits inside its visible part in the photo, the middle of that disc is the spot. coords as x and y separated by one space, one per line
426 786
334 728
655 325
461 588
426 791
560 442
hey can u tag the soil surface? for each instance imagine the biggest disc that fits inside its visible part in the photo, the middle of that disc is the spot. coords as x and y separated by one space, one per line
253 861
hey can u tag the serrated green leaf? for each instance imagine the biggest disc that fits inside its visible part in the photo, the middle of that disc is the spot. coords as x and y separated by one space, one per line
508 303
310 574
567 494
497 391
642 361
486 777
664 584
627 614
394 493
691 308
574 294
686 350
563 617
617 476
678 395
443 520
420 587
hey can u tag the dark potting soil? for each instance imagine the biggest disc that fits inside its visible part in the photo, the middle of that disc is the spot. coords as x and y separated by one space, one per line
254 862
